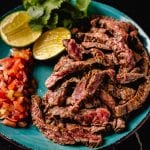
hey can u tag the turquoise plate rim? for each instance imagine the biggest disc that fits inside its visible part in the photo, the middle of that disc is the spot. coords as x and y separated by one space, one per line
112 11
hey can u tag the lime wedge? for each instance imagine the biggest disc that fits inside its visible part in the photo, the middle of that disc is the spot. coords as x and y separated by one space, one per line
15 30
50 43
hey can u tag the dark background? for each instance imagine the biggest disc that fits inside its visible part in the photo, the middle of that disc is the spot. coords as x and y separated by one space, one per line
139 11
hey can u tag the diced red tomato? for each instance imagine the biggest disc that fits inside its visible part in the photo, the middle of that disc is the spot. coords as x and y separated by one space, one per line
25 54
13 84
9 122
7 62
2 94
14 78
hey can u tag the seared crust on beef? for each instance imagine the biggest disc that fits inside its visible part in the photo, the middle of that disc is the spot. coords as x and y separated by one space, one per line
58 97
73 67
136 101
102 79
63 133
107 99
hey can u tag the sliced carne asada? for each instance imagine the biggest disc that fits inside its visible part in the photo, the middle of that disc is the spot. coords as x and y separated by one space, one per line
62 61
125 94
74 50
88 86
97 117
59 112
99 37
89 45
93 53
144 66
118 124
122 52
129 77
107 99
136 101
78 53
92 102
119 28
51 132
59 96
71 134
72 67
111 60
81 135
104 76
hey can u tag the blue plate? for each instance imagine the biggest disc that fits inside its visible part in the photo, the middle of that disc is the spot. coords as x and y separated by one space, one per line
31 137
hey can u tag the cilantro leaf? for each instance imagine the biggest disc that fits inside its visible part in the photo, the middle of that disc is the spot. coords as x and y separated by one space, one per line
50 5
83 5
53 13
53 21
35 25
36 12
28 3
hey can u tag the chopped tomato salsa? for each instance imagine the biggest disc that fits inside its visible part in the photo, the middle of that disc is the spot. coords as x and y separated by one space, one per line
16 88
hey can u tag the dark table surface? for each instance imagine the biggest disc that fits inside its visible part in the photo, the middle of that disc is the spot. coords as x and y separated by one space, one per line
138 10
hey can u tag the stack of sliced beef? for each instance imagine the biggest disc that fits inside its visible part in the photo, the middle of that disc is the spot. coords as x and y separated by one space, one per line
103 77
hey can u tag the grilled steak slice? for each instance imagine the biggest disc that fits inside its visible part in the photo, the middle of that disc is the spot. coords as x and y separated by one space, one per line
62 61
136 102
119 28
112 35
59 96
82 135
90 44
96 35
109 23
74 50
137 45
122 52
120 92
58 112
36 113
103 78
92 102
107 99
137 57
111 60
124 94
98 117
93 53
77 52
145 63
118 124
88 86
71 134
50 131
70 68
140 53
125 78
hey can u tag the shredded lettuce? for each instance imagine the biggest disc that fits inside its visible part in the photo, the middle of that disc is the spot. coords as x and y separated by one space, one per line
53 13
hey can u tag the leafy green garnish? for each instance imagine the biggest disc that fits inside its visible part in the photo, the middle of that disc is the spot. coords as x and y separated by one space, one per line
83 5
53 13
36 12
